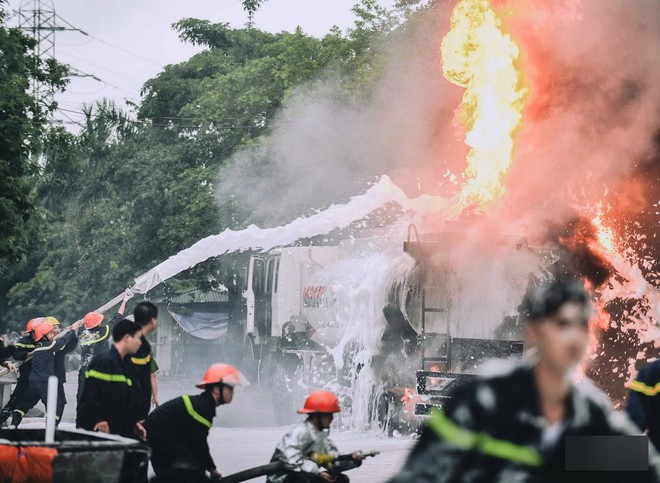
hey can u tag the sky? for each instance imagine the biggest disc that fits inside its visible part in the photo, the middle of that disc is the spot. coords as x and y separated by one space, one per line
130 41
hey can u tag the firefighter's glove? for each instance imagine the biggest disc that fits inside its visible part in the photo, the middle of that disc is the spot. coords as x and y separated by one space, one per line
326 476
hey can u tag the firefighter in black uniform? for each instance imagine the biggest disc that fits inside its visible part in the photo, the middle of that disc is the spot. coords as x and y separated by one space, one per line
644 401
24 348
43 366
177 431
106 402
142 364
60 364
511 424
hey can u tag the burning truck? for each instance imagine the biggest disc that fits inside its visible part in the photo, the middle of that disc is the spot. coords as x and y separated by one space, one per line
376 317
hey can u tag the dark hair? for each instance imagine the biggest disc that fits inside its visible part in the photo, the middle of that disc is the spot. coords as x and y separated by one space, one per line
124 327
546 299
144 312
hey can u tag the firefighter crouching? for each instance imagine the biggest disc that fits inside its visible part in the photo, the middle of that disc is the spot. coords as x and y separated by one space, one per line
512 424
177 431
307 451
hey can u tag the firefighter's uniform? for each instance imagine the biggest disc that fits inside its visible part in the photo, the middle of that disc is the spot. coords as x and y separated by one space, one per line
141 365
43 366
295 448
60 372
177 433
25 345
492 430
93 341
644 401
107 395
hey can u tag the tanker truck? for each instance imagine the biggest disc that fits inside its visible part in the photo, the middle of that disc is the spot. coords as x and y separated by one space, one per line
387 323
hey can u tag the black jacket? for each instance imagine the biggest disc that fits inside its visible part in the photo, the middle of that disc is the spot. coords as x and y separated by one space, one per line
140 369
177 433
644 401
60 358
43 358
492 428
24 346
92 343
107 395
96 341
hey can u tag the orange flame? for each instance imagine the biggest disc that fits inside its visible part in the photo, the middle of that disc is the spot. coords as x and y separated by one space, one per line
606 235
479 56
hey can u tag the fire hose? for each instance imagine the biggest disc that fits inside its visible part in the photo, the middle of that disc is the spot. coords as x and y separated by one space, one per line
4 371
321 459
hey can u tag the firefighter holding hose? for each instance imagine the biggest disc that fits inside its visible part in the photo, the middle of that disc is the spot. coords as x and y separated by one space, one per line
48 345
307 452
177 431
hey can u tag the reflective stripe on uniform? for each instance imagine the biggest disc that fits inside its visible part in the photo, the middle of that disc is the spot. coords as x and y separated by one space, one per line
141 361
482 442
194 414
108 377
46 347
639 386
25 346
94 341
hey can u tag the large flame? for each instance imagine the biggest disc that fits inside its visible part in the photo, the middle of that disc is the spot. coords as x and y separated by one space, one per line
479 56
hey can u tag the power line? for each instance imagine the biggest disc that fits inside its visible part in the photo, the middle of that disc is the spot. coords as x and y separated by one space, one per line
101 67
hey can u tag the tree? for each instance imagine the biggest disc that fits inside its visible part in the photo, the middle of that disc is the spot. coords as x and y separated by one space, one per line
22 125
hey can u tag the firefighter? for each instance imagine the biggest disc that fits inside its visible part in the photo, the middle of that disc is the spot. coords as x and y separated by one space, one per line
6 352
300 446
644 403
24 348
512 423
43 366
177 431
142 364
106 404
60 364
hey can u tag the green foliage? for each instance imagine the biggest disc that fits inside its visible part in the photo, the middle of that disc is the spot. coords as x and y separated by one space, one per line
22 125
111 202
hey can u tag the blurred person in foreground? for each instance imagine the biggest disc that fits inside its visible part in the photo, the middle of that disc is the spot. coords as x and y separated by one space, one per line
511 423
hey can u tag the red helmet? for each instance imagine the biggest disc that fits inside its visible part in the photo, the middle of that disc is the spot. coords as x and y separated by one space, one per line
41 330
33 323
321 402
225 374
92 319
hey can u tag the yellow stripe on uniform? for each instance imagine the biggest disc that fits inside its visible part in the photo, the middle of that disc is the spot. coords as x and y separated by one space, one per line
194 414
482 442
95 341
141 361
639 386
108 377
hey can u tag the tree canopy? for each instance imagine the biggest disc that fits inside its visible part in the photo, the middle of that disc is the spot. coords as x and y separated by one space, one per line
104 205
